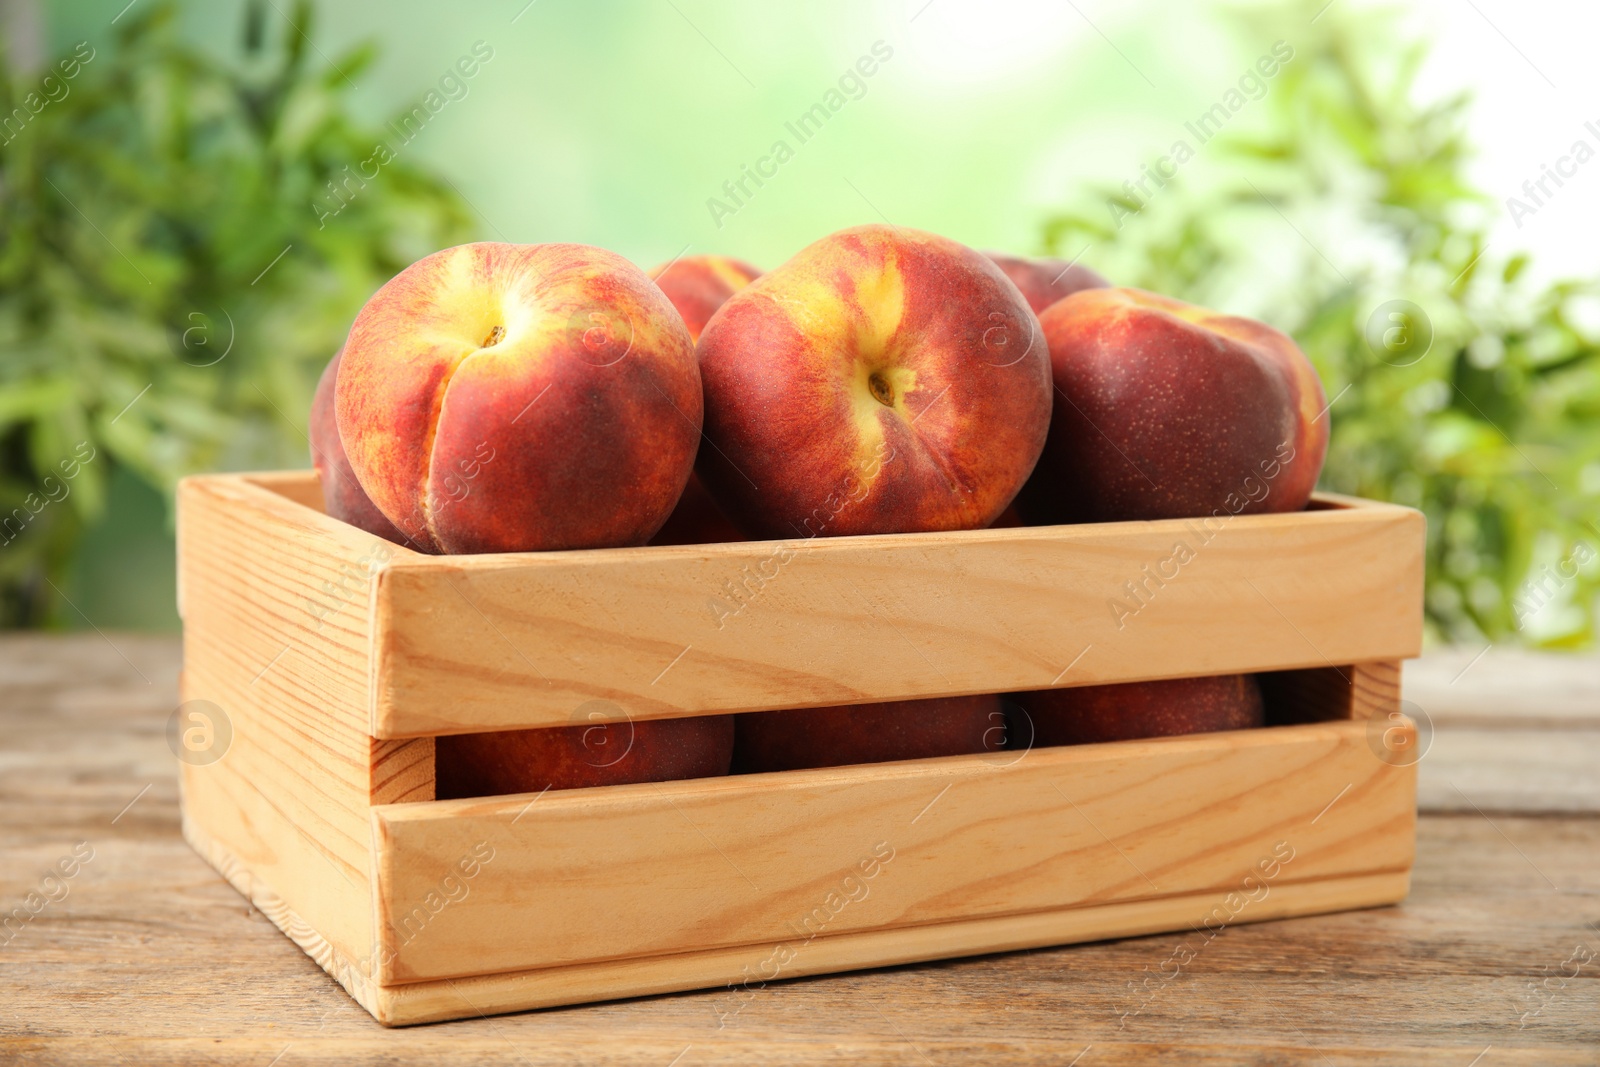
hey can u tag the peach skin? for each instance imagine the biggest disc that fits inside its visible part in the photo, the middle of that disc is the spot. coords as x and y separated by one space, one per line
1165 410
571 757
1044 281
883 380
342 496
697 520
1093 713
503 398
699 285
867 733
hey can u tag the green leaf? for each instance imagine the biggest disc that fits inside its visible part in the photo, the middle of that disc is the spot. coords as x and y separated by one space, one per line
169 193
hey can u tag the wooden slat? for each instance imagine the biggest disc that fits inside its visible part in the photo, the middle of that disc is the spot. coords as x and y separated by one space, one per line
301 487
276 610
424 1002
651 870
353 974
152 958
490 642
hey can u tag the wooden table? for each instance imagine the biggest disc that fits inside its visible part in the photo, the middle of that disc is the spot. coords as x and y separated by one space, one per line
146 955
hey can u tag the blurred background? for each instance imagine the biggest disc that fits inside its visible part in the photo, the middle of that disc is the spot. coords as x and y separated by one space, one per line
195 200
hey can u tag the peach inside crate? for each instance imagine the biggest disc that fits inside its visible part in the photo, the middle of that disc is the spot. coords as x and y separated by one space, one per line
338 658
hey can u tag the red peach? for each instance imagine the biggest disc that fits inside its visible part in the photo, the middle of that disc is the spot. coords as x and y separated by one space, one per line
1092 713
1166 410
1044 281
571 757
1008 518
883 380
502 398
867 733
699 285
697 520
342 496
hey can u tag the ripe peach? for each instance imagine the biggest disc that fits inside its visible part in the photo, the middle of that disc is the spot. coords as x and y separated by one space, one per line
1092 713
867 733
1166 410
697 520
571 757
342 496
1008 518
1044 281
501 398
698 285
882 381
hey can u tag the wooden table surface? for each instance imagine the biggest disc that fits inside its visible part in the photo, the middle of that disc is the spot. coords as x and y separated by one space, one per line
145 955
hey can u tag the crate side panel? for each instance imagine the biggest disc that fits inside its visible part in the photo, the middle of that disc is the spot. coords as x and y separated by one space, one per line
275 636
647 870
353 975
497 642
400 770
738 971
301 486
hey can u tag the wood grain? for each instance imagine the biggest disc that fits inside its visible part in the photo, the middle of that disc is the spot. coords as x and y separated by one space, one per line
1506 688
651 870
496 641
1320 694
274 598
354 975
1375 689
401 770
619 875
757 965
1507 729
153 958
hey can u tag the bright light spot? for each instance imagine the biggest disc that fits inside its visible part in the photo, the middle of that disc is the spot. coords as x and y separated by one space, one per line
987 40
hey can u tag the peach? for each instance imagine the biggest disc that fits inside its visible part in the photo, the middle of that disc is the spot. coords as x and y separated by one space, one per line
1093 713
867 733
1166 410
697 520
883 380
342 496
699 285
501 398
571 757
1008 519
1044 281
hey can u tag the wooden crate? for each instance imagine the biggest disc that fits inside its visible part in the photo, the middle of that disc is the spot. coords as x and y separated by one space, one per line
336 658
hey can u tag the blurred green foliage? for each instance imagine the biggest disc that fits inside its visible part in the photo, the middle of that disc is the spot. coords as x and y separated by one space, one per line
168 295
144 204
1338 193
